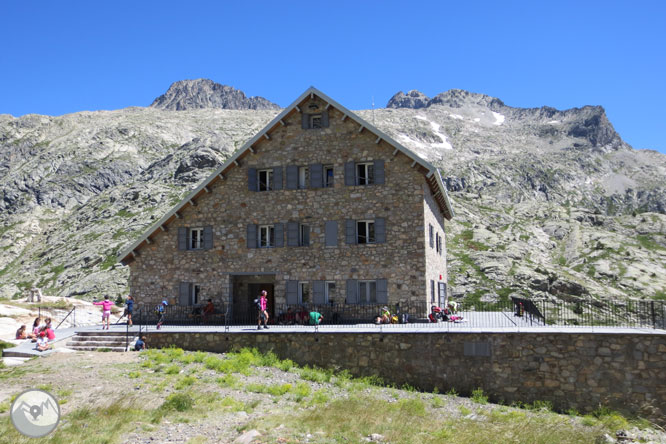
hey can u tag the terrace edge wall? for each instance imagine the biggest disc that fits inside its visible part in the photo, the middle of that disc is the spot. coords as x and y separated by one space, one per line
625 372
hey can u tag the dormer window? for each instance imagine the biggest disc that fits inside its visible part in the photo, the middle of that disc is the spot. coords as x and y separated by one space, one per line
315 121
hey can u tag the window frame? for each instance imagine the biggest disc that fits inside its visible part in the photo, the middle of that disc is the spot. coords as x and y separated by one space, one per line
368 175
312 118
367 223
301 236
431 235
268 186
326 183
301 285
367 299
327 284
303 177
197 244
195 294
269 237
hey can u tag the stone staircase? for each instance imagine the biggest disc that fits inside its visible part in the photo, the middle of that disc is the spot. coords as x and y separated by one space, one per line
99 340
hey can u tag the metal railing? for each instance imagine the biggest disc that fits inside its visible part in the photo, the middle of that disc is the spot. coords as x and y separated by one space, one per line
516 312
57 315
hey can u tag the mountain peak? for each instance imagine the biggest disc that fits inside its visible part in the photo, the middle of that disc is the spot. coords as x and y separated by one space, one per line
205 93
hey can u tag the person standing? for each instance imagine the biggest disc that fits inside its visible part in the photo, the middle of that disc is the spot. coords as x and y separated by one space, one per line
106 310
315 318
263 313
130 309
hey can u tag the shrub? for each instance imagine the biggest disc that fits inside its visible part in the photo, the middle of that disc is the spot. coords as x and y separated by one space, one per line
172 370
185 381
178 401
479 397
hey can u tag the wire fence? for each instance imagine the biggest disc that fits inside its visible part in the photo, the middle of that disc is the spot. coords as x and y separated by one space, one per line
512 313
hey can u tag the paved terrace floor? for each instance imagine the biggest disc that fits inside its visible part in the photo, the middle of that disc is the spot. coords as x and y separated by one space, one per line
473 322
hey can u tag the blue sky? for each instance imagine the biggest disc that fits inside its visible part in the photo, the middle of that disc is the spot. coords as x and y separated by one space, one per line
63 57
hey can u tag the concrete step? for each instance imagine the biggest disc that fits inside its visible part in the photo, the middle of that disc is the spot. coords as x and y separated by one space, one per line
101 333
92 348
100 338
76 343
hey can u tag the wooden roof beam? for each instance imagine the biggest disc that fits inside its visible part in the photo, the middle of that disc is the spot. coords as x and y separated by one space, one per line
164 228
360 130
206 189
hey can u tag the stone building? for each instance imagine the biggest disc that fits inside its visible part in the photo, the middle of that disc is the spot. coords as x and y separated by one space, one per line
318 207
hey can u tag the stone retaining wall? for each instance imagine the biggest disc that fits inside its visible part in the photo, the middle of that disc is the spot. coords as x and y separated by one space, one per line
626 372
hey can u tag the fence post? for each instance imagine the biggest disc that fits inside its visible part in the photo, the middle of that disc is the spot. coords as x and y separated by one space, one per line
654 317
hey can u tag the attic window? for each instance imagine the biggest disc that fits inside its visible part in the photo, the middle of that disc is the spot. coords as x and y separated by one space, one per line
315 121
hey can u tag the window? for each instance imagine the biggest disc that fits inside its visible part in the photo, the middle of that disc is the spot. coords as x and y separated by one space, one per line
439 244
265 178
315 121
367 292
328 176
365 232
196 239
303 177
195 294
365 173
330 296
304 293
431 234
432 291
266 236
304 235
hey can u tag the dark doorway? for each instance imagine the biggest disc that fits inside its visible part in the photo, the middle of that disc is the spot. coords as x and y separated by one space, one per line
247 288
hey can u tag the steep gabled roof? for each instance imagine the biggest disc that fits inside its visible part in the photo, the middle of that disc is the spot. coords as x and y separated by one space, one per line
433 177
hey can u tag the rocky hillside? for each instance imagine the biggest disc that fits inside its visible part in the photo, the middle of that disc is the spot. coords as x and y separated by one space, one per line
549 203
204 93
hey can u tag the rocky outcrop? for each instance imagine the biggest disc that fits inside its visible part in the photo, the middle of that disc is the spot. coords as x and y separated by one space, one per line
413 99
204 93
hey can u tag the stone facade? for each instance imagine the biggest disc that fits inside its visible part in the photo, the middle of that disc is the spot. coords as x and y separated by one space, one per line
404 201
624 371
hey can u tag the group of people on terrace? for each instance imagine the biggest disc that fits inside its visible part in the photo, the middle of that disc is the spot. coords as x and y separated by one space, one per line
42 334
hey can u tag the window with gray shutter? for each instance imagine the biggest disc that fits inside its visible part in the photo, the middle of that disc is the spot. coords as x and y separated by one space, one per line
442 293
251 235
292 177
184 293
379 172
382 291
305 121
292 292
182 238
324 119
331 229
277 178
352 291
319 292
350 231
208 238
292 234
316 175
431 234
432 291
350 174
279 234
252 179
380 230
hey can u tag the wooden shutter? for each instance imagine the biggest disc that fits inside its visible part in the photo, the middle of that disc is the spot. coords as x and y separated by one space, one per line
292 234
324 119
319 292
184 293
382 291
431 235
279 234
316 175
292 177
352 291
292 292
252 179
251 235
306 235
305 120
379 172
208 238
432 291
350 173
350 231
380 230
277 178
182 238
331 233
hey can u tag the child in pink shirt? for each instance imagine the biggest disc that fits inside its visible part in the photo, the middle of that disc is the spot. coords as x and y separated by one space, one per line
106 310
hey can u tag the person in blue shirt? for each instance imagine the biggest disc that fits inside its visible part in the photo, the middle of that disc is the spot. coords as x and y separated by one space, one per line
129 309
140 344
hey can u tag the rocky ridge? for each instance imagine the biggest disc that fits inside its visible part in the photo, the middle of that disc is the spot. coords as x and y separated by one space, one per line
204 93
549 203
